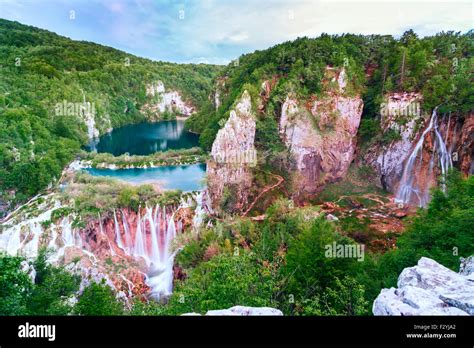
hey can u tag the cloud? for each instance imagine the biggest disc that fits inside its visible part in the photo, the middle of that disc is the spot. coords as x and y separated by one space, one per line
219 31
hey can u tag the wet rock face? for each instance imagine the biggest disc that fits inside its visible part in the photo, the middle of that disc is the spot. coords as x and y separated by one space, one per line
399 114
429 289
232 157
465 147
320 136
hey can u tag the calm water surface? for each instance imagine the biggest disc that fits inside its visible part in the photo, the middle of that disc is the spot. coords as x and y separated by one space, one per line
147 138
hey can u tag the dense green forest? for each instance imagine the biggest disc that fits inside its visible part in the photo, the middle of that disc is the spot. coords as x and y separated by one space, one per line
279 263
40 69
440 67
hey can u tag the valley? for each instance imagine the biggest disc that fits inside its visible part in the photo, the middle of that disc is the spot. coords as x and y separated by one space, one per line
189 188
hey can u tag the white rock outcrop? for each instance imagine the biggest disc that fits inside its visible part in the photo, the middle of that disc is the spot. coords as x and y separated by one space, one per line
232 156
242 311
429 289
170 101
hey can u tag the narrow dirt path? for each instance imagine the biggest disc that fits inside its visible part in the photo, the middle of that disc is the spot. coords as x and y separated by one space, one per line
265 190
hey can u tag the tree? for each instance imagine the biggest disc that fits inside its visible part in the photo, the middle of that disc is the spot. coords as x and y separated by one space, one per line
307 268
223 282
53 288
346 297
15 286
98 299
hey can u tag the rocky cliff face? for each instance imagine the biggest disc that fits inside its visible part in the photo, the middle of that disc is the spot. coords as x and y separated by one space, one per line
320 135
425 147
399 115
465 146
162 100
232 157
429 289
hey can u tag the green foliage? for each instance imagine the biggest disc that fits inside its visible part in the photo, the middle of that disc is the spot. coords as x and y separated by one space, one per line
368 129
307 268
53 287
161 158
15 286
93 195
222 282
194 251
347 297
98 299
47 295
128 197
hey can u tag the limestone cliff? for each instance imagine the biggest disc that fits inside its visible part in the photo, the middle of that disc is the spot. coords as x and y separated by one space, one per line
233 154
401 115
165 101
320 134
465 147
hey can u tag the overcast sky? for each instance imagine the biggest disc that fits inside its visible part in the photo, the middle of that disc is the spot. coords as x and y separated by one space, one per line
217 31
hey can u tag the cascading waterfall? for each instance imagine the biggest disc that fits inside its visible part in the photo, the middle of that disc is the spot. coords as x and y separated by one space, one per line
149 236
128 238
117 233
140 240
152 241
410 190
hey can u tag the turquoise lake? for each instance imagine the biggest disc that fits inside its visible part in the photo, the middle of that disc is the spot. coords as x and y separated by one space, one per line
185 177
147 138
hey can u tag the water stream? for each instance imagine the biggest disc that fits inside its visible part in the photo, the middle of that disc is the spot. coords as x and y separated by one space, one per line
413 190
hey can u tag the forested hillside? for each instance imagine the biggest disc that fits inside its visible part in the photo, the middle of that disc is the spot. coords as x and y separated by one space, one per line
440 67
40 69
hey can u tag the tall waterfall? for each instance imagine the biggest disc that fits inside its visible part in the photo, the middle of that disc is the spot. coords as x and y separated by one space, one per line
152 240
413 188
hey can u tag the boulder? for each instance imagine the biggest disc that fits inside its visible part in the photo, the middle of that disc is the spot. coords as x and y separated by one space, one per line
429 289
242 311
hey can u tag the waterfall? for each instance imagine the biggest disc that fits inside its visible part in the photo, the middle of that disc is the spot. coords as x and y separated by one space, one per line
128 238
140 240
117 233
67 232
152 241
149 237
410 190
